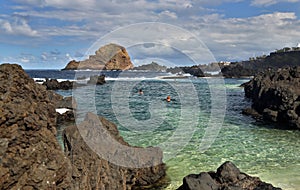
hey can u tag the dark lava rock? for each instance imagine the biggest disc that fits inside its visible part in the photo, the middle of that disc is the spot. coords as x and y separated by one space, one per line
227 177
194 70
275 60
53 84
30 156
98 80
100 171
276 96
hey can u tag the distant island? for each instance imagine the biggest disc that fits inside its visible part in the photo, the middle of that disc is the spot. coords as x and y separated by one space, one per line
151 67
108 57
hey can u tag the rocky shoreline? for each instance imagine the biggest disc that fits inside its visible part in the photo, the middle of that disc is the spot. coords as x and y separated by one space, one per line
275 97
31 158
228 177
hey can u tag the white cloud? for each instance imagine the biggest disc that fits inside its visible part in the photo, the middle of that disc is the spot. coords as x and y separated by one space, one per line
168 14
240 38
85 21
271 2
18 26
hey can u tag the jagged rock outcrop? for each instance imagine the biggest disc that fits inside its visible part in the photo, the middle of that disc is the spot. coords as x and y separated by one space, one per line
276 96
108 57
72 65
91 171
53 84
228 177
30 156
194 70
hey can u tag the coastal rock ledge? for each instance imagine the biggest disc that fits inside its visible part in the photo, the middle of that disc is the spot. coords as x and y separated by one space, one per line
31 157
108 57
275 97
227 177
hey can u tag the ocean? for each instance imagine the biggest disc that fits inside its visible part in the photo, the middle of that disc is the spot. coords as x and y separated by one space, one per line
200 128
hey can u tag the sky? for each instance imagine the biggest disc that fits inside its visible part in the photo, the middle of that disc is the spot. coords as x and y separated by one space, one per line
47 34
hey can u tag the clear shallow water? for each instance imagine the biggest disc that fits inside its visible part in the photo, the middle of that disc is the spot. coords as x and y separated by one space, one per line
257 149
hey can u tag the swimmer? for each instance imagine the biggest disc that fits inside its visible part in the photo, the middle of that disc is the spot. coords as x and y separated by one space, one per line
141 92
168 99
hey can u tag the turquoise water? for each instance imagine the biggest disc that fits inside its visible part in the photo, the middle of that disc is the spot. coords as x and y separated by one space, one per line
180 126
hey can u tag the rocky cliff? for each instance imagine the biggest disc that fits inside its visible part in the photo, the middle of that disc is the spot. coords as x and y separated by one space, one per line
228 177
275 61
30 156
108 57
276 96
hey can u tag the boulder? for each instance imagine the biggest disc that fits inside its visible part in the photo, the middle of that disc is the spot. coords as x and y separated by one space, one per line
108 57
276 96
228 177
30 156
101 171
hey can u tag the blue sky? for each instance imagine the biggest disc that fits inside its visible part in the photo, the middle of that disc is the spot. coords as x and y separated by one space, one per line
50 33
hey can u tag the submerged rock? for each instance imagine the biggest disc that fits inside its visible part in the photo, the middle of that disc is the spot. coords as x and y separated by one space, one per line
275 96
114 167
30 156
228 177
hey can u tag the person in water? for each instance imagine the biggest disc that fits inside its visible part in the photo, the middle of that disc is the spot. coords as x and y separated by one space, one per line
141 92
168 99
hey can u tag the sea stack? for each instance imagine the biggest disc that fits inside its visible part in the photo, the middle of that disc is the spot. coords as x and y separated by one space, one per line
108 57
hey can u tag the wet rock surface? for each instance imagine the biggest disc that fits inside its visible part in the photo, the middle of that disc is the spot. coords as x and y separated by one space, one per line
227 177
275 96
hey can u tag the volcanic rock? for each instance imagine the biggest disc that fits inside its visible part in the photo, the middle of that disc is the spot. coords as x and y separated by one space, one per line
275 96
117 164
228 177
30 156
108 57
53 84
